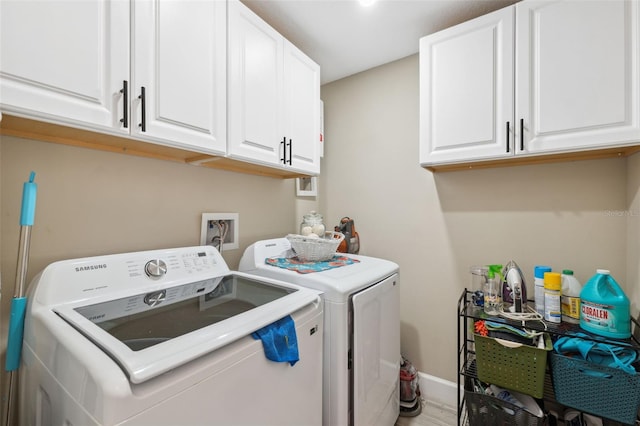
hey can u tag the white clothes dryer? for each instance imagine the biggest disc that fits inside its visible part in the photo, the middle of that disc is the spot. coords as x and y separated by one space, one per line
163 337
361 334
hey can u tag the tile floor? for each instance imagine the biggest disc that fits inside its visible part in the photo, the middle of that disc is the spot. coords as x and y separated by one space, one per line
431 415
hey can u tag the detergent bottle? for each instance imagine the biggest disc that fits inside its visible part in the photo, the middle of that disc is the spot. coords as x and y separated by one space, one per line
570 298
604 308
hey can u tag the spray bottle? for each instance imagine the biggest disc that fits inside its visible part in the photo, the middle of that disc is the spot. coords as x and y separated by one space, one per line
492 290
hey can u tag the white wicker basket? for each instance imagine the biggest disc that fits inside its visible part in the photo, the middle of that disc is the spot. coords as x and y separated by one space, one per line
315 249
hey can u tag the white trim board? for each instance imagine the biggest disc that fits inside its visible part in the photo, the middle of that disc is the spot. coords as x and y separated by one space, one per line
437 391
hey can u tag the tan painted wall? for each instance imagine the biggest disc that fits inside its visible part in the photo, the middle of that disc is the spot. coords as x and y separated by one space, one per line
632 214
435 226
93 203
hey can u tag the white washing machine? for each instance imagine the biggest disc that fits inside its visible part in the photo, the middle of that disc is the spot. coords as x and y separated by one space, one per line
163 337
361 334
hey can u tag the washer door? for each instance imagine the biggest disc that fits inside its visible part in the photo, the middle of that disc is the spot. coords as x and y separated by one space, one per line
376 353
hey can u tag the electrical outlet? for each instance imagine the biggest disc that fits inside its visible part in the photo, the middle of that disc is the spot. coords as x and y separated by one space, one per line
220 226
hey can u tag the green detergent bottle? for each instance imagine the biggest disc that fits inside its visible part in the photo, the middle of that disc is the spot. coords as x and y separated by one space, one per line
604 308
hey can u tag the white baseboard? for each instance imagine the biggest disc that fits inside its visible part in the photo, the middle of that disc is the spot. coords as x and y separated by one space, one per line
438 391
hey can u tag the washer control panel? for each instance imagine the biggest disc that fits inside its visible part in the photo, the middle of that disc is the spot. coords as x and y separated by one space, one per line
189 262
155 268
129 273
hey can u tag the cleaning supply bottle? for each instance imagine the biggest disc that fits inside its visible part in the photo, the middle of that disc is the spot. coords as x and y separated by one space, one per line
570 297
604 308
492 289
552 287
538 275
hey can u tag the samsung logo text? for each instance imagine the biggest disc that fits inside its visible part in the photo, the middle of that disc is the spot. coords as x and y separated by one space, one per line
91 267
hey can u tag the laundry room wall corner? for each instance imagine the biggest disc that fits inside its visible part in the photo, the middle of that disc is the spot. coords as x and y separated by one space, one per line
633 235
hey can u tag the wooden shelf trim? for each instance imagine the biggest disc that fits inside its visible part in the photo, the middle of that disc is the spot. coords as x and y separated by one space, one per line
48 132
523 160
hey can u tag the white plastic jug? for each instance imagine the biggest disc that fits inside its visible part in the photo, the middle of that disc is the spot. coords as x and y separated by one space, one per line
570 298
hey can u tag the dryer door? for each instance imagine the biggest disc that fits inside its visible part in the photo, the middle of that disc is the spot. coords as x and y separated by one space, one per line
376 353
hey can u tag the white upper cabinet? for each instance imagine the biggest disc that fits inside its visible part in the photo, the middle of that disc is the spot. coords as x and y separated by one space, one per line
179 58
575 86
69 63
273 96
64 61
577 74
466 89
255 87
302 109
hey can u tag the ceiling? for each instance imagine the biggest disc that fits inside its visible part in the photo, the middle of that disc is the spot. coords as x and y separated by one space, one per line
346 38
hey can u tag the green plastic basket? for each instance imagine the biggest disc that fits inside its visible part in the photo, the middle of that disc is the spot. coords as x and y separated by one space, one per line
512 365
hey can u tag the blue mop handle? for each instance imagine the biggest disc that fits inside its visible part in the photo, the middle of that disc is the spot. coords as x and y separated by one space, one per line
19 302
29 192
16 331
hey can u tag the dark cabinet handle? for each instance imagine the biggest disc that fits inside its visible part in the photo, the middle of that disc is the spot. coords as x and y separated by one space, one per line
289 152
522 134
142 97
508 143
125 104
283 143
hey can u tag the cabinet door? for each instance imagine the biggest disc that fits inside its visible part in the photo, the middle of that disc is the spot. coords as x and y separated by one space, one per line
577 68
466 90
255 88
302 109
180 60
65 61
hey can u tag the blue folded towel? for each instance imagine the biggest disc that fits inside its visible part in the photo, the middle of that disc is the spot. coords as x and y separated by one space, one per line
279 340
614 355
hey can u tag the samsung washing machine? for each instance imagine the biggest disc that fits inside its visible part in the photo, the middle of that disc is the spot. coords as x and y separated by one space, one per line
164 337
361 331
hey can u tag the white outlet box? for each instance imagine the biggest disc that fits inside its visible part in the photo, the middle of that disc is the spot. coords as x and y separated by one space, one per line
214 225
